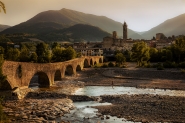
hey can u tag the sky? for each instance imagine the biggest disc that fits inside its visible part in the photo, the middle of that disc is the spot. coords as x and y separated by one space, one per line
140 15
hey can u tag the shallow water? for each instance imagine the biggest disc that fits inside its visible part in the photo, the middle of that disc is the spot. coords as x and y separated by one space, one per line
84 113
109 90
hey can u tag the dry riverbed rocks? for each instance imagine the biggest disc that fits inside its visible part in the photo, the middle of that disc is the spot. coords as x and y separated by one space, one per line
37 110
145 108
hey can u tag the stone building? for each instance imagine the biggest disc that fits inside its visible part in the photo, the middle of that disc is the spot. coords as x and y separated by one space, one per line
90 51
160 36
125 32
115 43
88 48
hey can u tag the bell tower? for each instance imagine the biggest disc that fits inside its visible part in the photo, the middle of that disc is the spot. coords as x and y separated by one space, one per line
125 33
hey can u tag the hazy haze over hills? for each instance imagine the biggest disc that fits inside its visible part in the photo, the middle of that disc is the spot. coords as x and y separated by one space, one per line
3 27
67 18
53 20
174 26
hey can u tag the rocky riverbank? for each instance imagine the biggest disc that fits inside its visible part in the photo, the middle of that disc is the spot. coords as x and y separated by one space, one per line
172 79
43 105
37 110
145 108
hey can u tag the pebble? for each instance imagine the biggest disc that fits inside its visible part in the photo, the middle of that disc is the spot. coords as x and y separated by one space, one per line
33 110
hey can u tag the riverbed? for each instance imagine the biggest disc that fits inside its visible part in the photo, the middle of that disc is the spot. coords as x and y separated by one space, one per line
115 100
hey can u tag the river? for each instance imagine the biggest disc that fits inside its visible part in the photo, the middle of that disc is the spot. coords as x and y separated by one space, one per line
84 113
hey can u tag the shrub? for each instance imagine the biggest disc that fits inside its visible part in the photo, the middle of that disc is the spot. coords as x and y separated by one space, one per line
160 66
169 64
154 66
182 65
111 64
117 65
182 70
123 66
147 65
104 65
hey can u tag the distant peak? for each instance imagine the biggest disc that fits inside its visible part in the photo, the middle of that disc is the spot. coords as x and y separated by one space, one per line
64 9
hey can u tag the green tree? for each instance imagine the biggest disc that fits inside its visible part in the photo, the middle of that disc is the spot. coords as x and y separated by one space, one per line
2 6
3 38
24 54
1 50
140 53
153 54
55 44
13 54
43 53
120 58
153 38
57 54
127 55
178 49
2 77
33 57
68 54
31 46
78 54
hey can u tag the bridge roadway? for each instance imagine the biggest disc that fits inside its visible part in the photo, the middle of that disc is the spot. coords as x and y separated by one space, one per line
19 74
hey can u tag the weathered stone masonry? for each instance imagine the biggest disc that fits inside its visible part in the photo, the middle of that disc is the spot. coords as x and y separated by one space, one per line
19 74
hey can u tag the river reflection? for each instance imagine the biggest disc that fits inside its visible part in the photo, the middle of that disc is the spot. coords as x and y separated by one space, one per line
108 90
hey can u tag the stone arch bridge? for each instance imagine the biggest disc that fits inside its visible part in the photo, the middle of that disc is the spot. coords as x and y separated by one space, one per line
19 74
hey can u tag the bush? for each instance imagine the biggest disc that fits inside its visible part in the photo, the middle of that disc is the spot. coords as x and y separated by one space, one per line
117 65
104 65
123 66
182 70
147 65
182 65
111 64
97 66
160 66
154 66
169 64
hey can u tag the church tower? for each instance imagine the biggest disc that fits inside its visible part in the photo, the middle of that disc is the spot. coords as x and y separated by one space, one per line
125 33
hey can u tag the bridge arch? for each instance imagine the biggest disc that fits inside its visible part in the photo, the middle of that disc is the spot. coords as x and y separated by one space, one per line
57 76
39 79
78 68
69 70
100 60
95 63
91 62
86 63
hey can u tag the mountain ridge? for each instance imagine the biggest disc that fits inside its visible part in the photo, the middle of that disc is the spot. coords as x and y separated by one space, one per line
172 26
67 18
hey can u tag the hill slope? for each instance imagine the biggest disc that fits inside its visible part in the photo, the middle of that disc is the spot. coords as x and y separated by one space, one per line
77 32
37 27
174 26
3 27
67 18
